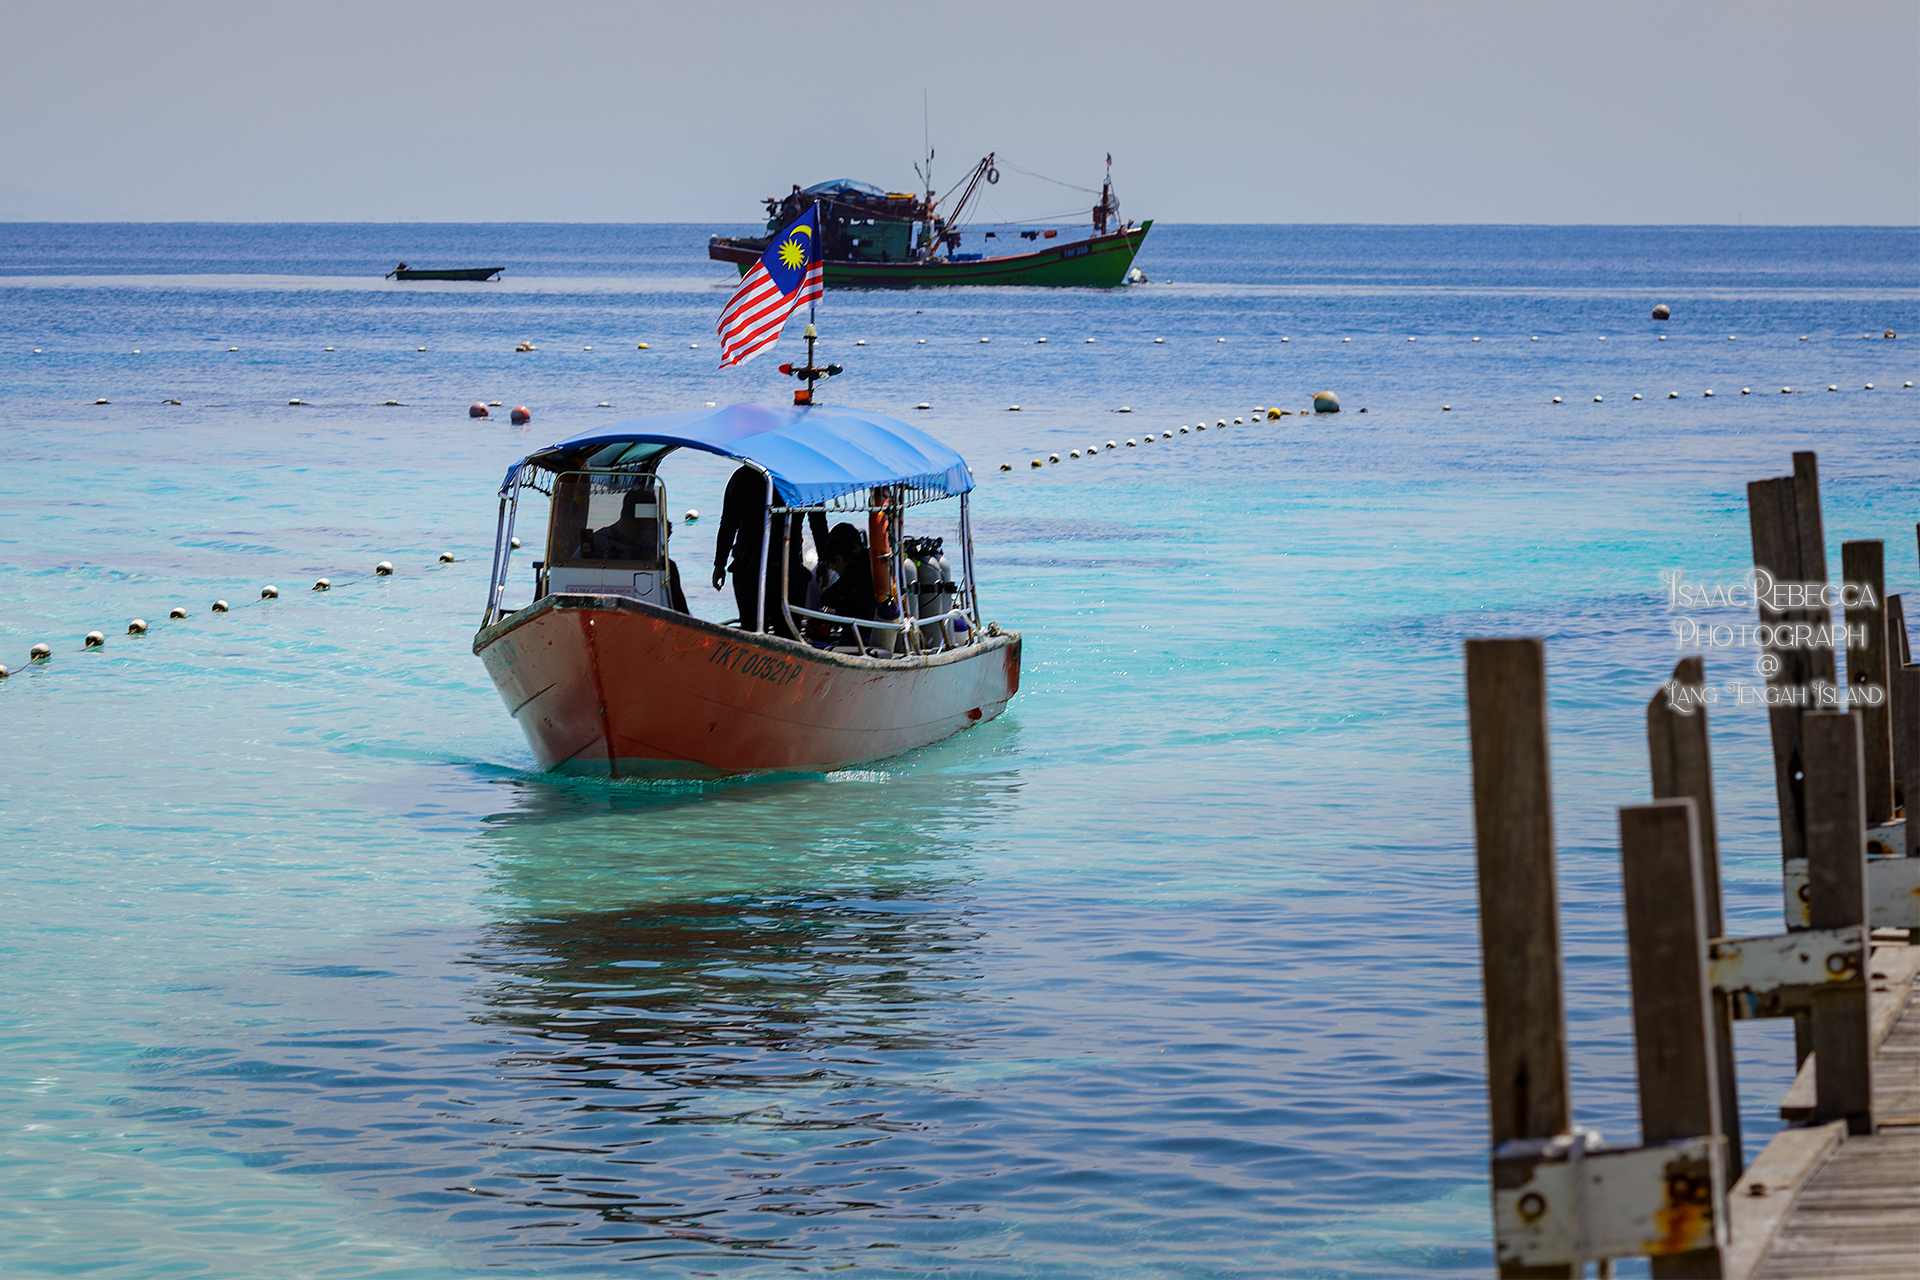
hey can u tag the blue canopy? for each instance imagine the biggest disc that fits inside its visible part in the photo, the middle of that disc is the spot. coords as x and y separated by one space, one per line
814 454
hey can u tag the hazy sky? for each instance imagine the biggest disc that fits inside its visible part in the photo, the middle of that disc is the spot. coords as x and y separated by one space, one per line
1614 112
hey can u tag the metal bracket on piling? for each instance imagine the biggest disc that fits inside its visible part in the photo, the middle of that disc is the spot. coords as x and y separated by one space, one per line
1893 893
1775 977
1567 1199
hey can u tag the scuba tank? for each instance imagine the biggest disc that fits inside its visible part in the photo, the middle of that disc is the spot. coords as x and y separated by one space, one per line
943 599
925 586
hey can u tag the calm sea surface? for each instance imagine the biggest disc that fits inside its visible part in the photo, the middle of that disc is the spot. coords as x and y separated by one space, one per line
1171 971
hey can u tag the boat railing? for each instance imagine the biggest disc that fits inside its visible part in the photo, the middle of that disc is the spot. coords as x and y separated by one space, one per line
886 633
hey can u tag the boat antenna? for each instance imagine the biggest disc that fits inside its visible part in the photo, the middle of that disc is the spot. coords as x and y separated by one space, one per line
810 371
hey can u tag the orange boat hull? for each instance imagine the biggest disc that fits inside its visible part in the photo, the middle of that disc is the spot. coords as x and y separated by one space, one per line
617 688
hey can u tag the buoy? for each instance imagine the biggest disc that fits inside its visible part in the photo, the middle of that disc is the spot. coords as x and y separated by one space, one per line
1238 423
1089 339
1043 342
586 348
1035 463
233 348
1833 386
1361 409
476 410
923 342
446 557
1221 423
4 673
860 342
177 612
40 653
419 348
1129 444
1161 340
924 404
1346 339
1598 400
295 400
1053 457
1707 394
1603 337
1326 402
1112 445
1786 391
1476 339
1746 391
1673 395
1073 453
323 584
1730 338
1149 438
1006 466
392 402
1412 339
36 351
1013 408
1663 337
1636 395
219 606
1168 435
1183 431
136 351
493 404
138 627
384 569
1907 384
1660 311
693 346
519 415
1868 387
269 593
1534 338
641 346
986 339
1556 399
174 401
1273 415
1889 334
1136 276
692 517
95 640
1446 408
326 348
1125 408
604 404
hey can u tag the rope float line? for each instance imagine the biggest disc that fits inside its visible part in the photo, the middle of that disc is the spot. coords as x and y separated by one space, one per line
42 653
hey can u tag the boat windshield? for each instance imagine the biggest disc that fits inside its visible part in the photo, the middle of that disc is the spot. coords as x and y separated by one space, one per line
601 519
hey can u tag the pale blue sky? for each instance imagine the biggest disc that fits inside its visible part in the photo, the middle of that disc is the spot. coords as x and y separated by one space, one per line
1672 112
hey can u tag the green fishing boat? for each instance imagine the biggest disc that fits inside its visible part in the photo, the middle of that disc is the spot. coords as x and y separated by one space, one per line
890 239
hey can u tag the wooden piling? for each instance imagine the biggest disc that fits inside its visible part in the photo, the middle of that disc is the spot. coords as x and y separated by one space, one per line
1788 542
1837 897
1682 766
1527 1086
1900 726
1863 565
1673 1017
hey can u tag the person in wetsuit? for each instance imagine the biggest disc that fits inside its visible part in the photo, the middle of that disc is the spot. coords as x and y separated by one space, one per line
742 517
846 578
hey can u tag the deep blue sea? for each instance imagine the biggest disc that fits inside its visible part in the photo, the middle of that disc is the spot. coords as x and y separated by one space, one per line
1172 971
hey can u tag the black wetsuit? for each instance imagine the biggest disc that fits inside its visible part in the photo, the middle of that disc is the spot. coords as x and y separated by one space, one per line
742 517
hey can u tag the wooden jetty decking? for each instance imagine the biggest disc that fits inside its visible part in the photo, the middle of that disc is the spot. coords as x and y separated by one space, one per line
1835 1195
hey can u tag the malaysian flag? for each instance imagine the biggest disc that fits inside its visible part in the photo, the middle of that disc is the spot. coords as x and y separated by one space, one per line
788 274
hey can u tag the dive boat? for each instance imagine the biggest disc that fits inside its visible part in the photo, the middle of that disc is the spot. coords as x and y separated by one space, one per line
609 678
881 239
405 272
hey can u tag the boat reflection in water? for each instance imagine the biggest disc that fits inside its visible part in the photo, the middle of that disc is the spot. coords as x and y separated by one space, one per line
707 1022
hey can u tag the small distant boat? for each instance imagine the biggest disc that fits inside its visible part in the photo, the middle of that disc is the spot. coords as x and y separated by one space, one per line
405 272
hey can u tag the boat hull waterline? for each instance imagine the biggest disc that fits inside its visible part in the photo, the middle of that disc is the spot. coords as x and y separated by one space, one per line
1100 262
609 687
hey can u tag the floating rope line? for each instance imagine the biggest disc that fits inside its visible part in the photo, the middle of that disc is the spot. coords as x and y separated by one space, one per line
42 653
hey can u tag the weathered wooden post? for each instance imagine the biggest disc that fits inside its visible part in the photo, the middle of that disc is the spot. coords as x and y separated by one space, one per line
1900 725
1677 749
1790 547
1519 903
1673 1018
1863 574
1837 898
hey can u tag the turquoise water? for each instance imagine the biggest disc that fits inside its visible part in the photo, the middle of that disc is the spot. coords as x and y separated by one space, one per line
1171 971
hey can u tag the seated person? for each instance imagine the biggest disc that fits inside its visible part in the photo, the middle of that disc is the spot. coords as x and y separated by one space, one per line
631 537
845 578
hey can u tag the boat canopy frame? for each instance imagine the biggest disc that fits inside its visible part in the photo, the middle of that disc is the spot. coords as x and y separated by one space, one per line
821 449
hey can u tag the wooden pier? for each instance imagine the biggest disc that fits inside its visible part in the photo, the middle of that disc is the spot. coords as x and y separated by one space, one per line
1836 1193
